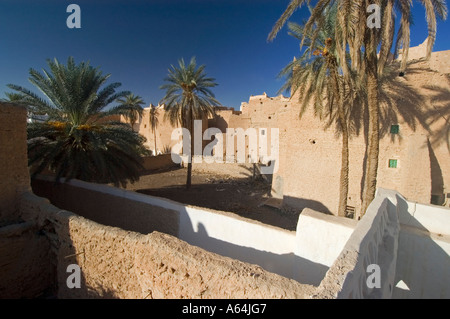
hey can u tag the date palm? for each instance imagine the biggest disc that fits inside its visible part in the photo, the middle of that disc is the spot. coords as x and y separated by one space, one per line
133 106
315 77
154 121
188 97
80 139
362 43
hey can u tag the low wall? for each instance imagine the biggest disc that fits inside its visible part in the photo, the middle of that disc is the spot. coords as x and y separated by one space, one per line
27 269
329 253
116 263
220 232
426 217
373 242
14 176
423 263
320 239
109 206
304 255
410 243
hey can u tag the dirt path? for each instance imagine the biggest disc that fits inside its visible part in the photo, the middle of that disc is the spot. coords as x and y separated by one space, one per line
236 192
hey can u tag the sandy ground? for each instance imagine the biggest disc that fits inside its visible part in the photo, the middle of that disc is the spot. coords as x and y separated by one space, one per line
225 188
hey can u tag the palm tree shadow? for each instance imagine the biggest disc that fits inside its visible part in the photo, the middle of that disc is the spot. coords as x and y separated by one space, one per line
400 102
438 116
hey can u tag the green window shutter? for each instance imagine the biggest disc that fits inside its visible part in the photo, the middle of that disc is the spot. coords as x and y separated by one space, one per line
395 129
393 163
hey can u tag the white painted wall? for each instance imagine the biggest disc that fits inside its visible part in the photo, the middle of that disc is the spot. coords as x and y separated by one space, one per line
304 255
223 233
420 257
230 235
320 239
431 218
373 242
423 262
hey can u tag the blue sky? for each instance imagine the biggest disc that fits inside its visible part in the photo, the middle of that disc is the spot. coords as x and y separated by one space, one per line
136 41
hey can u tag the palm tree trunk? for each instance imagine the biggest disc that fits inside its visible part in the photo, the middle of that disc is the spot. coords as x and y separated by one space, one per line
191 156
370 180
343 179
154 135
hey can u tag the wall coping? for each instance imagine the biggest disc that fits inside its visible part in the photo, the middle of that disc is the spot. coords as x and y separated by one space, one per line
158 201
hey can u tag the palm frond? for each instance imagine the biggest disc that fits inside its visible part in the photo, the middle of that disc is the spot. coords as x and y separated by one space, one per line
79 140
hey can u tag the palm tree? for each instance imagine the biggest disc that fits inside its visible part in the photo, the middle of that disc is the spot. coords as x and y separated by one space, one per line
132 105
80 139
154 122
188 97
362 43
12 97
316 75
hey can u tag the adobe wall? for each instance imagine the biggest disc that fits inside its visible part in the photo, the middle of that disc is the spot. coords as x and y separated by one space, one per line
116 263
26 267
219 232
310 156
439 61
163 130
14 175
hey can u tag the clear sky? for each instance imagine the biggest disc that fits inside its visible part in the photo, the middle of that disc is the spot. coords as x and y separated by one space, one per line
136 41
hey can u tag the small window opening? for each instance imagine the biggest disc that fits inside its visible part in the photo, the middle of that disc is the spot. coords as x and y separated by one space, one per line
395 129
392 163
350 212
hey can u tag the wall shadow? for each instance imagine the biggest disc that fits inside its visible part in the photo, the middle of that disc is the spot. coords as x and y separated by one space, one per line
287 265
422 265
219 122
301 203
437 179
241 196
440 100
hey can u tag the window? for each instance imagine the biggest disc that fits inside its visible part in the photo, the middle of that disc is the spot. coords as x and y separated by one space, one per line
394 129
393 163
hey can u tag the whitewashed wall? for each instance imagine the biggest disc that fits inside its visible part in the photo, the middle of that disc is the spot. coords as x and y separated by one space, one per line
423 262
409 241
304 255
320 239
